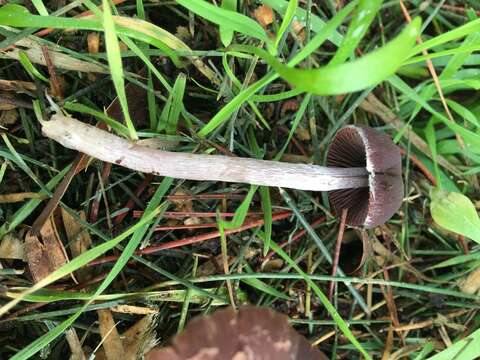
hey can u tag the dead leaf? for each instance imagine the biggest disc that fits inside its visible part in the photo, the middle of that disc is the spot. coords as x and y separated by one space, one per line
272 265
11 247
289 106
213 265
17 86
19 197
183 33
299 29
137 340
8 117
130 309
471 284
186 205
137 103
4 105
303 134
140 338
44 256
60 60
78 238
111 342
93 42
264 15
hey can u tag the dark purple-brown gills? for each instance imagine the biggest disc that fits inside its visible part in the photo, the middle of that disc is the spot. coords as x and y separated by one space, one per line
362 146
251 333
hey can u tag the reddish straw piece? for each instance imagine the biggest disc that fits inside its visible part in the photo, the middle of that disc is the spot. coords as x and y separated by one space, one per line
192 239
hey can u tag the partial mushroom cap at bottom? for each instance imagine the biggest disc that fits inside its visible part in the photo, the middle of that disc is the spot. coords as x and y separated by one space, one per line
252 333
362 146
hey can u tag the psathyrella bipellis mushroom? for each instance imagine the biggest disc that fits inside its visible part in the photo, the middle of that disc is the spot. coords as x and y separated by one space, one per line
251 333
364 172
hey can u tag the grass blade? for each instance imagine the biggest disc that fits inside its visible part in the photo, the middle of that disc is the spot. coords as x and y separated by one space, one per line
349 77
226 33
116 67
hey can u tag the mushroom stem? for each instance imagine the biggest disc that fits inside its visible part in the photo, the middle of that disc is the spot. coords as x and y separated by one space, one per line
105 146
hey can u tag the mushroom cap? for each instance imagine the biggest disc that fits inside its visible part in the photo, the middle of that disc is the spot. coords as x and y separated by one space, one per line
252 333
362 146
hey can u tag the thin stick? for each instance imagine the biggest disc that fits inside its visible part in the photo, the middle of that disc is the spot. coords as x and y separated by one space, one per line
338 246
107 147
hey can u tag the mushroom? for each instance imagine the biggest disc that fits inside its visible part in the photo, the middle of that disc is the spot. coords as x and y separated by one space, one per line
252 333
363 176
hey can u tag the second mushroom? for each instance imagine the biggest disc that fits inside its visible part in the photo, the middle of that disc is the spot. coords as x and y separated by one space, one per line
364 172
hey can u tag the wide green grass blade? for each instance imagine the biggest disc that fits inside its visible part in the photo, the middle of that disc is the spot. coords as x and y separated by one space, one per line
349 77
267 217
42 10
472 140
464 349
173 107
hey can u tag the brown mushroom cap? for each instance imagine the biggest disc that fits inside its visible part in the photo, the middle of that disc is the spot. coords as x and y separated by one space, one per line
252 333
357 146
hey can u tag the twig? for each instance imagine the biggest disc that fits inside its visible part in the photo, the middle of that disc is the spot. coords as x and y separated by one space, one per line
338 246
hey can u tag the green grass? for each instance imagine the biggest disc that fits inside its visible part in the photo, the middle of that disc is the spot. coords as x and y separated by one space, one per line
205 77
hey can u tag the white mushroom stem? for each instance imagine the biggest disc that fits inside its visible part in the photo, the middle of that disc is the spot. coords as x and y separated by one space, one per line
105 146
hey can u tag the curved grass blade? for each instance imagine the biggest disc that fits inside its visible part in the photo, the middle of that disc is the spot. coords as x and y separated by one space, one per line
348 77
